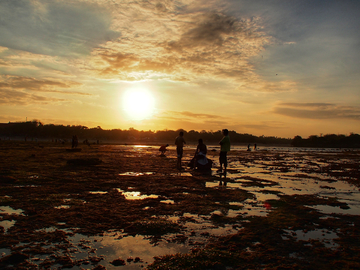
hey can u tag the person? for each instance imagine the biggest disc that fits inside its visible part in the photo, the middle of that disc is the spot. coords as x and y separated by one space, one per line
179 142
255 147
224 148
86 142
74 142
163 149
248 149
200 159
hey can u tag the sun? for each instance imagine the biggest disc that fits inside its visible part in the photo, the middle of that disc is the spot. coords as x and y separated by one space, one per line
138 103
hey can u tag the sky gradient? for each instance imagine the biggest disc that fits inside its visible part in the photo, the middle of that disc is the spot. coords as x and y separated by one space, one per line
273 68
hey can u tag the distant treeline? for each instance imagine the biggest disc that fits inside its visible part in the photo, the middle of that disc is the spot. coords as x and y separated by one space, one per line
330 141
35 129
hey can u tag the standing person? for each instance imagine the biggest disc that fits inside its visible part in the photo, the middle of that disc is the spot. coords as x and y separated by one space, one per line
179 141
224 148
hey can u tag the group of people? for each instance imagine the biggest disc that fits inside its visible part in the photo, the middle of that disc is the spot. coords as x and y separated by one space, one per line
200 160
249 149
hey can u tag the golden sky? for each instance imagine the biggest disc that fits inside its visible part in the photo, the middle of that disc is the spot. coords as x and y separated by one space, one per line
274 68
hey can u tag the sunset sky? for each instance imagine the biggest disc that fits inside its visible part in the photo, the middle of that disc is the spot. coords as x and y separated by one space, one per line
274 68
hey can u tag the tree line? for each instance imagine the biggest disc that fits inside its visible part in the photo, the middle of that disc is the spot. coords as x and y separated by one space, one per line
35 129
328 141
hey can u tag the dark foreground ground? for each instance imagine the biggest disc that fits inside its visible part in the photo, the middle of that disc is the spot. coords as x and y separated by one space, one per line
83 193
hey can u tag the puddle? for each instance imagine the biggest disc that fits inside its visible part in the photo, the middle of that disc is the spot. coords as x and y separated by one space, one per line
325 236
62 207
327 209
10 211
182 174
4 252
135 173
136 251
98 192
136 195
168 201
7 224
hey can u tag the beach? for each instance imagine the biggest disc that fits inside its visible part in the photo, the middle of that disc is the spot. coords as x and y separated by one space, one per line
128 207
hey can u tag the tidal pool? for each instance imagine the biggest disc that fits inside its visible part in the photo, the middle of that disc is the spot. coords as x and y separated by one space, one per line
137 251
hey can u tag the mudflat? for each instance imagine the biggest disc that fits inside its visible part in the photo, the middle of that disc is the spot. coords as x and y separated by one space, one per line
108 206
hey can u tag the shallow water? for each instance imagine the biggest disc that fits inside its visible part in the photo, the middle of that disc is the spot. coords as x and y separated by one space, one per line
107 248
264 182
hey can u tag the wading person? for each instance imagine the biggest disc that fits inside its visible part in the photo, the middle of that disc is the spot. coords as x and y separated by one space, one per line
224 148
179 142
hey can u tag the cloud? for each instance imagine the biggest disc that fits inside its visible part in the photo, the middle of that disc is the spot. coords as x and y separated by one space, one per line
188 115
318 111
196 115
184 46
54 27
39 85
14 97
212 30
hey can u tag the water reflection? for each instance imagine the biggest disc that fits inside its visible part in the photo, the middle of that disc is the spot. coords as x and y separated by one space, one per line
10 211
111 246
260 178
325 236
136 195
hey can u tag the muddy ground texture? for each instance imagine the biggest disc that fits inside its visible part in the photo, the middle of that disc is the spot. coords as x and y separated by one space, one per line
39 178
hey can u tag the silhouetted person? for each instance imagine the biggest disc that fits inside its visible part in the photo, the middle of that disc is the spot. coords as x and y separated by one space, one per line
248 148
224 148
255 146
179 141
163 149
200 159
74 142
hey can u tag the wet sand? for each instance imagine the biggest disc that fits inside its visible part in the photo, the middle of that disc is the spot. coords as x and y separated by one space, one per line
110 206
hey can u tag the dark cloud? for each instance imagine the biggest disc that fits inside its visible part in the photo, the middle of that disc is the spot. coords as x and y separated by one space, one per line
213 30
160 7
318 111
